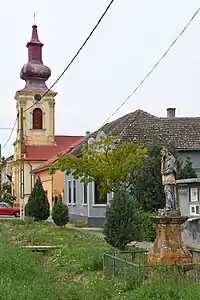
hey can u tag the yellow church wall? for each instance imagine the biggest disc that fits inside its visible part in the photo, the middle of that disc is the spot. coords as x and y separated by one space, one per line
28 177
31 137
45 135
15 180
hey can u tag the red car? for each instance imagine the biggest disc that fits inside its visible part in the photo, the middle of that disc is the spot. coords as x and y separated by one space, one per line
7 209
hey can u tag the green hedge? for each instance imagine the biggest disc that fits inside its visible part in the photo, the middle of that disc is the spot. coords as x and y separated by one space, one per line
147 228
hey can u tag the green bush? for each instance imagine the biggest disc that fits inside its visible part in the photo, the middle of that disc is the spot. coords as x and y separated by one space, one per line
38 205
122 222
60 213
6 193
147 227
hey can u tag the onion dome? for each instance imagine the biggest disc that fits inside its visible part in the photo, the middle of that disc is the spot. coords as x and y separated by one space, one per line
35 73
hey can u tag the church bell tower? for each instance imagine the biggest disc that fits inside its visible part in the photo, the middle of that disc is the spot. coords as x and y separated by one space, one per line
35 122
38 111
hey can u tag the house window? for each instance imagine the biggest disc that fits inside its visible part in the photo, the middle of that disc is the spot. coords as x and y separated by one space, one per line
97 198
37 118
85 193
194 210
69 193
194 194
74 190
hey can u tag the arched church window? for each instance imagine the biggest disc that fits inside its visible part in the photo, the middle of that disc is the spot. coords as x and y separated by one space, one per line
37 118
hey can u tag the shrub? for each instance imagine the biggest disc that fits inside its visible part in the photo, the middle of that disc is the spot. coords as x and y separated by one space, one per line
147 227
186 169
60 213
6 193
38 204
122 223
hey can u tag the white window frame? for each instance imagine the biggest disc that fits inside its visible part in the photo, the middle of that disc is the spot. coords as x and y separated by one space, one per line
195 209
192 197
74 203
69 203
83 189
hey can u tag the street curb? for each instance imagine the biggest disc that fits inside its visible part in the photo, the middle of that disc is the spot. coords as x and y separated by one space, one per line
97 229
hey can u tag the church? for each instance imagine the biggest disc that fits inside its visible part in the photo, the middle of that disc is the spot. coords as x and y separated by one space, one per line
36 141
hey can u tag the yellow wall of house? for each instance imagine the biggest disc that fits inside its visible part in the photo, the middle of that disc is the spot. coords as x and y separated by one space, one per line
58 184
53 184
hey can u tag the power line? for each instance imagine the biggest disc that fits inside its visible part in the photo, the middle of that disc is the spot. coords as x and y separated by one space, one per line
154 67
148 74
77 53
13 128
7 128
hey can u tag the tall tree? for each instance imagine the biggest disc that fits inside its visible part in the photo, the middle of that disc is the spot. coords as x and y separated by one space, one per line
107 162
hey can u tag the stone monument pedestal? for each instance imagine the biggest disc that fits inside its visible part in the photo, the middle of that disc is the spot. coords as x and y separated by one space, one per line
168 247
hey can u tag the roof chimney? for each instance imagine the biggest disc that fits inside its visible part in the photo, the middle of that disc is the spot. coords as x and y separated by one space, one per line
171 113
87 133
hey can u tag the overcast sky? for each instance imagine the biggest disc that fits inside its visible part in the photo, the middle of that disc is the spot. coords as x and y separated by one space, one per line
131 38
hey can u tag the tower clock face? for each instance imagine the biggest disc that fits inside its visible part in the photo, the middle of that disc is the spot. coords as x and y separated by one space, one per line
37 97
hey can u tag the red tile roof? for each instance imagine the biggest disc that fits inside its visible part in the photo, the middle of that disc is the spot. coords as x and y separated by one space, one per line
44 152
54 158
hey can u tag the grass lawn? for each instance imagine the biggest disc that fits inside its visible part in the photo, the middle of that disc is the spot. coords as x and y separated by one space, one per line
73 271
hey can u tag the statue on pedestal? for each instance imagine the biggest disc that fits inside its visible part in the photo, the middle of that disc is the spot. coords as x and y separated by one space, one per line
168 171
168 246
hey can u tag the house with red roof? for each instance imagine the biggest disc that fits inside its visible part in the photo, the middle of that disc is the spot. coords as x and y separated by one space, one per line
54 184
36 145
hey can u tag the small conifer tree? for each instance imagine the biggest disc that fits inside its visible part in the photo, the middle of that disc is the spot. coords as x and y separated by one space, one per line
186 169
122 223
60 213
38 205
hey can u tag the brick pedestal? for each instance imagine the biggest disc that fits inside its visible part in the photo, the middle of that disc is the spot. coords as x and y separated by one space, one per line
168 246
